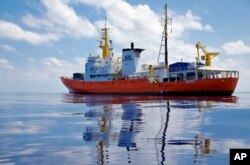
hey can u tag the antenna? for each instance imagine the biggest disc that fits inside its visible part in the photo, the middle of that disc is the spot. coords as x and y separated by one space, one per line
105 21
167 21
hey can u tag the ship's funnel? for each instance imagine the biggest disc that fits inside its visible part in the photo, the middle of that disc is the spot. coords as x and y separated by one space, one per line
132 45
130 57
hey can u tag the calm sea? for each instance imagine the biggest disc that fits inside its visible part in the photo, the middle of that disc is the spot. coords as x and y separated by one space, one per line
87 129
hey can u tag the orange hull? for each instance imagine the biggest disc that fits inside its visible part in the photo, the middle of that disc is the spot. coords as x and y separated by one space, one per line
221 86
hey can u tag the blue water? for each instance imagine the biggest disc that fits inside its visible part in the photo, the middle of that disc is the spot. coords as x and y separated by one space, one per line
79 129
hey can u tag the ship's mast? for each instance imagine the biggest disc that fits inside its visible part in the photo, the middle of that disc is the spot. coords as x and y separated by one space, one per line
164 39
105 48
166 34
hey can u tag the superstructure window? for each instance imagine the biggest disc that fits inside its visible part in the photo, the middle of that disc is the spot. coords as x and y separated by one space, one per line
180 76
191 76
172 77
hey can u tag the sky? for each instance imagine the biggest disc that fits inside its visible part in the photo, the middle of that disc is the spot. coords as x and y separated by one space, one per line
41 40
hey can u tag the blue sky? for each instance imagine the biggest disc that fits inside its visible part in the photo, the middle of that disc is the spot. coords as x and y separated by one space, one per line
43 40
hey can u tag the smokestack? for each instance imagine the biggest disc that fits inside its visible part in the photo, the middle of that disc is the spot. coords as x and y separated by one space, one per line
132 45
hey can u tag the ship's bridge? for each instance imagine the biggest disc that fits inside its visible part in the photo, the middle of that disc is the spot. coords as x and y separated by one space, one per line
184 66
99 69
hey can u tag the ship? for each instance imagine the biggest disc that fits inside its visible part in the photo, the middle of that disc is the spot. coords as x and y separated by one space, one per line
107 74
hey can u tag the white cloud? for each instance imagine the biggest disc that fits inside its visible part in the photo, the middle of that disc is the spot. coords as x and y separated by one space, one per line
208 28
8 48
61 18
129 23
12 31
182 23
142 25
52 61
32 60
5 64
237 47
54 67
3 61
184 51
37 74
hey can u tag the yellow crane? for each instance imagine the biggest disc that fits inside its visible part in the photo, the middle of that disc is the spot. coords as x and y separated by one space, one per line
208 56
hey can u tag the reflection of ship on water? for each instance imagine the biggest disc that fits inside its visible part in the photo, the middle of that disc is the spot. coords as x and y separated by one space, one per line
105 125
123 99
202 103
111 136
202 146
103 135
131 122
